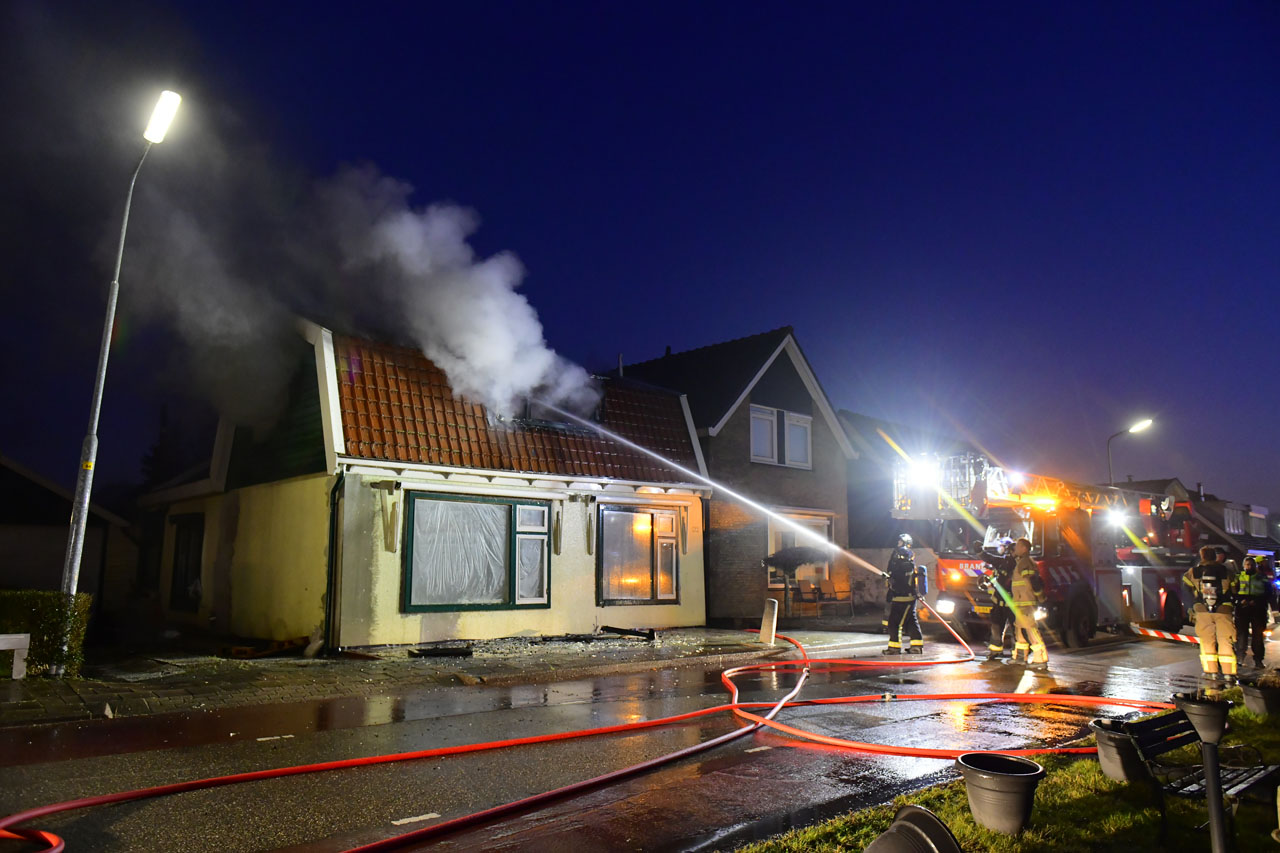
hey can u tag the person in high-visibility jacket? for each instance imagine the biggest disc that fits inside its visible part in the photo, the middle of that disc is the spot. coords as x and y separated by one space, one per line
1253 606
1027 595
1213 614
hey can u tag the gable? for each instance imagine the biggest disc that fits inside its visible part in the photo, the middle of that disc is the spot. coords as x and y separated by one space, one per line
782 388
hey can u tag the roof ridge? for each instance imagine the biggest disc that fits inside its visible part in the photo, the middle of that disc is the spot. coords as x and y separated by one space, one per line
781 329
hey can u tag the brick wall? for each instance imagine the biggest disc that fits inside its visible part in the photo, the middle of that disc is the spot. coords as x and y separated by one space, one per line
737 536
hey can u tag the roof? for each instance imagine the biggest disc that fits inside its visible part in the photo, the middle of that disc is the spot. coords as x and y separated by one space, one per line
28 498
1213 514
863 432
714 376
1158 487
717 378
396 405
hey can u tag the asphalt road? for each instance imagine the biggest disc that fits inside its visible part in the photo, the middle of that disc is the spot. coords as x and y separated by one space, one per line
757 785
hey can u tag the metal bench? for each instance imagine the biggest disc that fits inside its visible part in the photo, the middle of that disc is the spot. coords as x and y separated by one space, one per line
20 644
1156 736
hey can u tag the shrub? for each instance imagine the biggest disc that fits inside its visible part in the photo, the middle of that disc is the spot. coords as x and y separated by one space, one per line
41 613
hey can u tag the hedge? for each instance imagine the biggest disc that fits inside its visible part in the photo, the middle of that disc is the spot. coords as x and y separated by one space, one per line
41 614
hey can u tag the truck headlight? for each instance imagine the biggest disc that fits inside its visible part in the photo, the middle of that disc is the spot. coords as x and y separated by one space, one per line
946 607
1040 613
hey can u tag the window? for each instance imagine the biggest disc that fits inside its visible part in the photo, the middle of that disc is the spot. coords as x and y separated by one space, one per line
798 440
774 428
785 536
475 553
1257 524
764 434
638 557
1234 520
188 546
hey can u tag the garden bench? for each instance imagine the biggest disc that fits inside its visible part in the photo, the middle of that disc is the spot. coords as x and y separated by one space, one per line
20 644
1156 736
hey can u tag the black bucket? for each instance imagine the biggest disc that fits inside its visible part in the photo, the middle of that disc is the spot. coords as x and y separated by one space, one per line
1116 753
1001 789
1263 701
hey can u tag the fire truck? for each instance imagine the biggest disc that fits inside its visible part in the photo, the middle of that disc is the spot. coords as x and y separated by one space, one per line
1108 556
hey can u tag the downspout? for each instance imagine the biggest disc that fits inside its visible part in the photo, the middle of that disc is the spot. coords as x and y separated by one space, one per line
331 569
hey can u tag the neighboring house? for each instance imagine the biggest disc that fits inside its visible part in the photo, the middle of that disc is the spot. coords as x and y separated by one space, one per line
382 509
35 519
767 431
1204 519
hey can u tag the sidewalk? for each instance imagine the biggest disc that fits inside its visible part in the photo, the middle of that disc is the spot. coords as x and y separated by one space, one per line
165 683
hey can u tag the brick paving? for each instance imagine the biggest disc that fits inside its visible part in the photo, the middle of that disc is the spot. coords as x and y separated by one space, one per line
165 682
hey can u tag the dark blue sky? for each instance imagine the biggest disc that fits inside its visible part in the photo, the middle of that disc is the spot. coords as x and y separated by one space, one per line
1033 223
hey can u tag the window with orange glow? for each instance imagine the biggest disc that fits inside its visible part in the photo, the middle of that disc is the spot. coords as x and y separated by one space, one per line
639 563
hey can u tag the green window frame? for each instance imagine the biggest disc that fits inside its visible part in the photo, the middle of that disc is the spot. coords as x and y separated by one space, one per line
466 552
638 555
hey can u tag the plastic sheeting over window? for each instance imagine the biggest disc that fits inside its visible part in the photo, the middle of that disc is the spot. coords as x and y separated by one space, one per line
460 552
531 575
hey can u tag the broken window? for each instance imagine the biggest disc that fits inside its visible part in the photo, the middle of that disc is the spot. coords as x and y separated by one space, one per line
470 553
638 556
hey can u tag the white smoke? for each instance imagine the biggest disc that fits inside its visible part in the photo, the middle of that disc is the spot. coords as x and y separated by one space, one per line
464 312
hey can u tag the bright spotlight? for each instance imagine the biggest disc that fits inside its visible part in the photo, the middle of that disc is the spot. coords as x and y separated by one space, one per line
923 471
946 607
1140 425
1017 480
1116 517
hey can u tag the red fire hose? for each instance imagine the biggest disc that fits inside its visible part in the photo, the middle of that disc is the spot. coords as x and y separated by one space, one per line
9 825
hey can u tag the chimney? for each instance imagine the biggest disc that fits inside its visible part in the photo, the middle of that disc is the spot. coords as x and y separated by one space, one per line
619 365
1130 476
668 352
1200 489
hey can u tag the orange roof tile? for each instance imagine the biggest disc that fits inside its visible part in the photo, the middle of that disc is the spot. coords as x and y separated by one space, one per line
397 406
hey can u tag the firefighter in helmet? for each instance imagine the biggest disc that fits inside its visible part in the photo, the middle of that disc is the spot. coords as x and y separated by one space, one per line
901 553
1027 594
905 583
1213 613
997 586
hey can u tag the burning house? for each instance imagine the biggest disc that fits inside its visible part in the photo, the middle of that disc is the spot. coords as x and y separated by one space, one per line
385 509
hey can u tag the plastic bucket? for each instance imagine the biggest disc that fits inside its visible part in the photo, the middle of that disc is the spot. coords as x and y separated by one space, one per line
1001 789
1116 753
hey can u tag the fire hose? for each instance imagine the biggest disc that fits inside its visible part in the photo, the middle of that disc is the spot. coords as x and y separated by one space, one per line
10 829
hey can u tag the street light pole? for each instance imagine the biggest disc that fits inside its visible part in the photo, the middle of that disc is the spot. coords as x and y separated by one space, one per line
156 129
1138 427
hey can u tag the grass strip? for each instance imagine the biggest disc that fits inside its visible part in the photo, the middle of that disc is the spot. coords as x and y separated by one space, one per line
1077 808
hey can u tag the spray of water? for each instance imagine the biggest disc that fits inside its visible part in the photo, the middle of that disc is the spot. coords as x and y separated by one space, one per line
800 530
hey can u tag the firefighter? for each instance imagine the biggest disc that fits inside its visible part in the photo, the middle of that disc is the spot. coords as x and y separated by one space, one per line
906 584
1253 600
997 585
1028 594
901 554
1212 612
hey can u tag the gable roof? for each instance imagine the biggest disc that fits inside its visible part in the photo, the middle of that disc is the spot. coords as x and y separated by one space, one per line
718 378
863 432
28 498
396 405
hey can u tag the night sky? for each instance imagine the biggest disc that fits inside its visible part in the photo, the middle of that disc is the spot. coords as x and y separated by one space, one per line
1029 223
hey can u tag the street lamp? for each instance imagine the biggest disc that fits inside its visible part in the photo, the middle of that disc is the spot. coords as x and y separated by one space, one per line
161 116
1138 427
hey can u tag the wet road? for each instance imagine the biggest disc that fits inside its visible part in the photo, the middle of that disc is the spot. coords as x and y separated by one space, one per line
759 784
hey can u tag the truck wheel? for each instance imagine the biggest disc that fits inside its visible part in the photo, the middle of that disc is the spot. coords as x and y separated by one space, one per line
1173 617
976 632
1079 624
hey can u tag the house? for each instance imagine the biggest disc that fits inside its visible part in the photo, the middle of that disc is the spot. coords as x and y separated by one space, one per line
382 509
767 431
1240 528
35 518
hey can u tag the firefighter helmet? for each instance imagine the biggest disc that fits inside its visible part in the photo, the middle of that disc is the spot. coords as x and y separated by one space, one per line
904 539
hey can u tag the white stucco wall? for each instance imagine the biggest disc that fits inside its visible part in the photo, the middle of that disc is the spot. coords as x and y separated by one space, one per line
372 576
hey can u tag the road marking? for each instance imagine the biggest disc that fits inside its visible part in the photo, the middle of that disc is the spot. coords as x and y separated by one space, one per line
275 737
402 821
759 749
